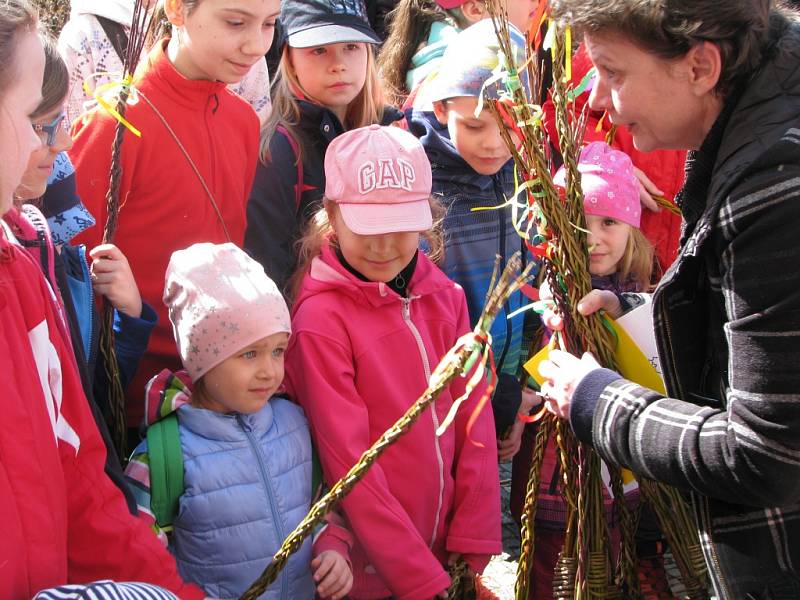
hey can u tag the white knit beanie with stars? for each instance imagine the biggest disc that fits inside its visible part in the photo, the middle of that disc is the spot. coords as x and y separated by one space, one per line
220 301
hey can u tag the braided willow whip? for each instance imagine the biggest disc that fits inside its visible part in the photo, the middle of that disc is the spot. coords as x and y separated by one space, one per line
462 582
531 498
561 225
459 360
116 394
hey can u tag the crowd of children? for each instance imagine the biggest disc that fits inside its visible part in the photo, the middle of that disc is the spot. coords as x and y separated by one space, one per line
339 226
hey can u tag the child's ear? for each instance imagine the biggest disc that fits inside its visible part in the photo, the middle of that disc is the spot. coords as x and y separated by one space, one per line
174 10
474 10
440 110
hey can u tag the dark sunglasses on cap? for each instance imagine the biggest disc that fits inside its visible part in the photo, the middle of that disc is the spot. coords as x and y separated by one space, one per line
50 130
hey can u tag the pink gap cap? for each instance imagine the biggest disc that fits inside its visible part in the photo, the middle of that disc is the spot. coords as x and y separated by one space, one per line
448 4
610 187
381 179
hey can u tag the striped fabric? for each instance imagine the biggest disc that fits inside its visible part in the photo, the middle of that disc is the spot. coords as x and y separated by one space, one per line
106 590
727 319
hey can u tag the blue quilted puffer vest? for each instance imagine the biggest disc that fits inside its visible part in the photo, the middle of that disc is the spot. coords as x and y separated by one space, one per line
247 485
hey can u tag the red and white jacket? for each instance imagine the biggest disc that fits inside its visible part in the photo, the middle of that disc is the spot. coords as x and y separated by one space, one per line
359 356
62 520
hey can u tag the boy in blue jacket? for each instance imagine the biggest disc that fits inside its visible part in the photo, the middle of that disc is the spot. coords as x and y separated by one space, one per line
472 168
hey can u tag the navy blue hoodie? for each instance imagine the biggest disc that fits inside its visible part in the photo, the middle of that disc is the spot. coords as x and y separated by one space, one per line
472 240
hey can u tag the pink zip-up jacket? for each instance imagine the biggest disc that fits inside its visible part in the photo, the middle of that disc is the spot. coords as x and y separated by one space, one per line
359 356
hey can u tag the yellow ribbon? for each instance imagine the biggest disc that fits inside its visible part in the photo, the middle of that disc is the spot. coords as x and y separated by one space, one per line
515 205
102 91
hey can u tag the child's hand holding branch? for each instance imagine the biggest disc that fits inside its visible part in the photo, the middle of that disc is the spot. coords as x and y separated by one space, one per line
332 575
112 277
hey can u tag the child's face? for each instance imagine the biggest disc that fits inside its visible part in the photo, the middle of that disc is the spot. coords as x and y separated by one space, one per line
607 241
333 75
477 139
244 382
376 257
40 164
18 100
220 40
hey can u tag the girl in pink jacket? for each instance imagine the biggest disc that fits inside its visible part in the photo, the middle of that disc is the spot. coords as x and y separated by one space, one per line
373 317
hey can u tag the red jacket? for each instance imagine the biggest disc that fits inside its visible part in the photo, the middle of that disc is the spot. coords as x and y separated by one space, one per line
665 168
164 207
62 520
359 356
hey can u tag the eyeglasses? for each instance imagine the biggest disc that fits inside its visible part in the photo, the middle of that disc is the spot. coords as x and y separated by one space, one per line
48 132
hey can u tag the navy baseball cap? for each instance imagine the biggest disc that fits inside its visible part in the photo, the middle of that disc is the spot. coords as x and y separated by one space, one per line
310 23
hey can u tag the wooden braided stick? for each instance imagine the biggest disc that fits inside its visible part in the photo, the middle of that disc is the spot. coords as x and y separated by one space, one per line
564 226
116 395
527 540
451 366
462 581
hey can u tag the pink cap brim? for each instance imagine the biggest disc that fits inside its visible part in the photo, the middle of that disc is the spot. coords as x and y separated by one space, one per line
375 219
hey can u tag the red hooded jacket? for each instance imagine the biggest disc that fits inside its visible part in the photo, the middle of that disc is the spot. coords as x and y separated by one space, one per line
359 356
62 519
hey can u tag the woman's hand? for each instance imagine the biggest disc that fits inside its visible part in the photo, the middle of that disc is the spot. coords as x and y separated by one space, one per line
332 575
595 300
509 446
563 372
112 277
647 189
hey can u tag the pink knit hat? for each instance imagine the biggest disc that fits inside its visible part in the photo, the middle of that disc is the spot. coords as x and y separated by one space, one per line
220 301
448 4
610 188
381 180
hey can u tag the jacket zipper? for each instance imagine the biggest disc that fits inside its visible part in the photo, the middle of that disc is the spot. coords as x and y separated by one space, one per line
264 471
426 365
94 323
674 382
709 550
501 224
699 502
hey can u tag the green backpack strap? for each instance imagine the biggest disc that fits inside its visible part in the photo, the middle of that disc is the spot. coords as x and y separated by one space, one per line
166 469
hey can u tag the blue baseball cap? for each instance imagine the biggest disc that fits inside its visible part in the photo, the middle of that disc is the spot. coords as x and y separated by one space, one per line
309 23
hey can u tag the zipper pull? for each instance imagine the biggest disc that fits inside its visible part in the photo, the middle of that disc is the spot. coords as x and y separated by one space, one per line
243 424
406 308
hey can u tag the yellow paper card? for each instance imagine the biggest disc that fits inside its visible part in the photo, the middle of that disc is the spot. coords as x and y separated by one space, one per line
632 362
532 366
633 365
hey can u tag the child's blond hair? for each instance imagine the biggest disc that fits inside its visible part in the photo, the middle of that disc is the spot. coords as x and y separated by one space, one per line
365 109
637 261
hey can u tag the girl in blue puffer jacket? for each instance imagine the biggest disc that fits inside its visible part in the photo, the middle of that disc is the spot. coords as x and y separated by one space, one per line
246 454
